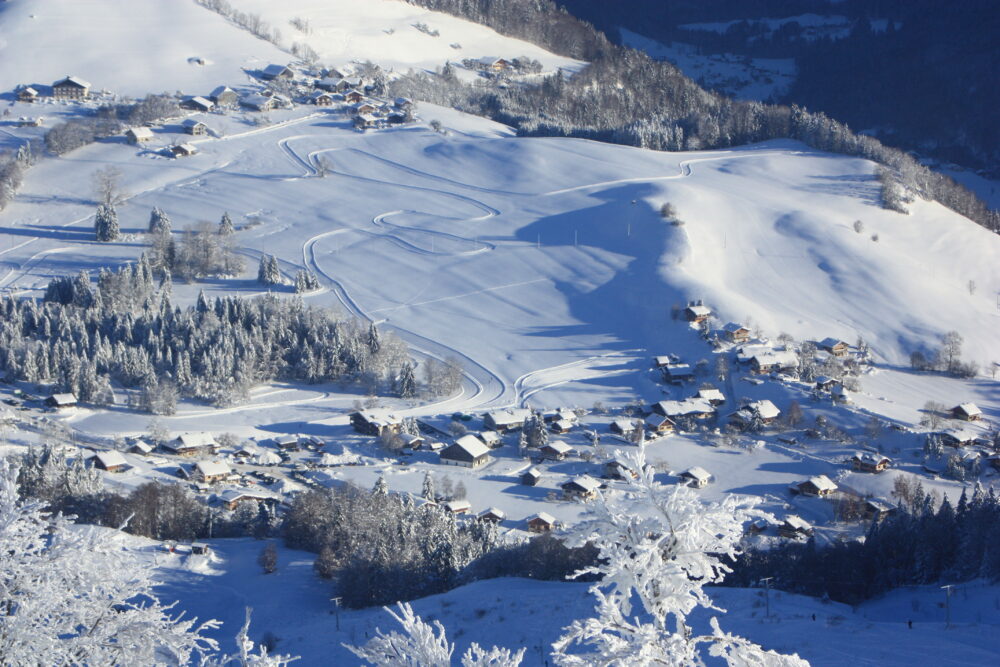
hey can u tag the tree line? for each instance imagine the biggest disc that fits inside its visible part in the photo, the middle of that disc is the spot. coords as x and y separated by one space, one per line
625 97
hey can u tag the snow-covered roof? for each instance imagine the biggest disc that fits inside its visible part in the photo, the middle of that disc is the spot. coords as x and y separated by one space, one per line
871 458
29 90
221 90
508 416
73 80
585 482
711 395
765 408
111 459
229 495
202 102
623 424
699 310
141 132
471 445
454 506
689 406
829 343
797 523
142 447
63 399
189 440
544 516
267 459
191 122
257 101
970 409
656 421
697 473
782 358
489 436
564 424
275 70
823 483
533 471
493 511
409 439
558 446
212 468
402 101
733 327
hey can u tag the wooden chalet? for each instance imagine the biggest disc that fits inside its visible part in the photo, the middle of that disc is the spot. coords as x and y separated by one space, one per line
197 103
61 401
623 426
697 312
321 99
224 96
138 135
211 472
493 515
71 88
183 150
333 84
492 64
412 441
194 127
834 346
288 443
272 72
874 510
259 102
468 452
824 383
660 424
712 395
736 333
583 487
870 462
364 121
457 507
353 96
774 361
111 461
696 477
402 103
555 450
818 486
677 373
562 426
27 94
531 476
502 421
190 444
969 412
141 448
233 498
370 423
491 439
543 522
618 469
795 527
692 408
958 437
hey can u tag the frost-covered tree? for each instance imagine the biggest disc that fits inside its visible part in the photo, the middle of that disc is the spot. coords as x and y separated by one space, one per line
106 223
159 223
428 491
381 487
406 383
425 645
226 227
659 547
268 272
73 596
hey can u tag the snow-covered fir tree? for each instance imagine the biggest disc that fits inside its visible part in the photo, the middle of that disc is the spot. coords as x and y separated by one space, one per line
106 223
159 223
268 272
226 227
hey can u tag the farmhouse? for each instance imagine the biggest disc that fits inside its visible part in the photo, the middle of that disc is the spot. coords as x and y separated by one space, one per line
26 94
402 103
774 361
197 103
194 127
958 437
870 462
696 477
211 472
370 423
111 461
510 419
736 333
693 408
712 395
794 527
623 426
224 96
138 135
189 444
531 476
183 150
141 448
458 507
543 522
677 373
468 451
492 514
969 412
660 424
71 88
272 72
697 312
834 346
61 401
764 410
333 84
258 102
818 486
555 451
824 383
321 99
583 487
363 108
287 442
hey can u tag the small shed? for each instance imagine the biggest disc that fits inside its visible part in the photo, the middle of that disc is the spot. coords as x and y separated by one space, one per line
458 507
543 522
61 401
795 527
818 486
275 71
969 412
194 127
491 439
412 441
531 476
142 448
696 477
111 461
875 510
200 549
583 487
183 150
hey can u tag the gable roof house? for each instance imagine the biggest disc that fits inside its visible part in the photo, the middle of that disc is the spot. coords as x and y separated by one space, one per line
354 96
696 477
542 522
141 447
259 102
616 468
764 410
333 84
834 346
468 452
736 333
275 71
363 121
183 150
494 514
371 423
111 461
583 487
794 527
660 424
138 135
694 408
870 462
224 96
491 439
555 450
26 94
697 312
412 441
211 472
531 476
321 99
494 64
233 498
677 373
875 510
189 444
712 395
818 486
457 507
71 88
194 127
969 412
623 426
775 360
502 421
61 401
197 103
562 426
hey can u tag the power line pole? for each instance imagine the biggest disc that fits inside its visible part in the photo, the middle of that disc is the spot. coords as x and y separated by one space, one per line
336 607
947 606
767 596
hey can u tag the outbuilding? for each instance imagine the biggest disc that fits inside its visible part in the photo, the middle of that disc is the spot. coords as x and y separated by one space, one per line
61 401
969 412
795 527
531 476
696 477
492 514
272 72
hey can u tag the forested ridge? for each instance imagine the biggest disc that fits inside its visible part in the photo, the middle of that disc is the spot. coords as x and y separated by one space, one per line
625 97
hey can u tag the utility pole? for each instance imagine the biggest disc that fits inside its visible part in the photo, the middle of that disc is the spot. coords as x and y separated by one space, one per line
947 605
767 596
336 608
538 243
576 233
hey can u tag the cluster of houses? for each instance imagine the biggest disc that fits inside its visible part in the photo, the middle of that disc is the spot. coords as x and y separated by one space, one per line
66 88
